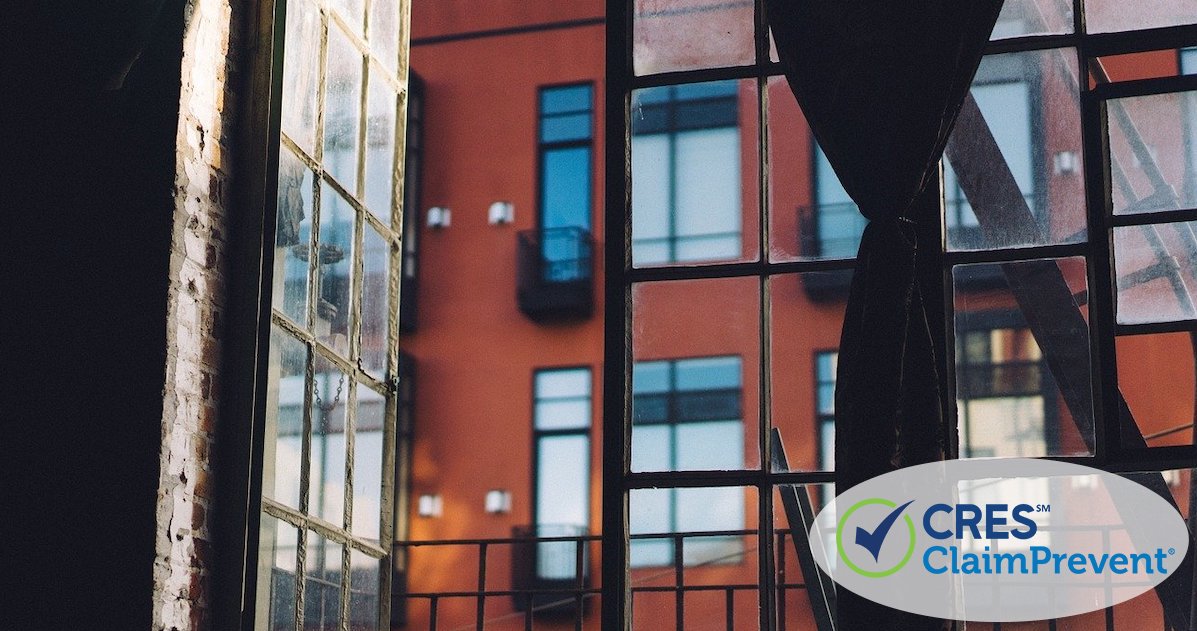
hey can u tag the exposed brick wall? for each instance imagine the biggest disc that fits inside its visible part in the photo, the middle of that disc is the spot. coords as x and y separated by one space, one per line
195 310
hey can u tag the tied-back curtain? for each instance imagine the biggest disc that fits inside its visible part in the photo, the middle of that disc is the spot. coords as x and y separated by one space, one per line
881 83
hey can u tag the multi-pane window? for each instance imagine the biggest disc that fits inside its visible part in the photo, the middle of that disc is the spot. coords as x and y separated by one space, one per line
331 386
566 146
686 162
687 416
561 430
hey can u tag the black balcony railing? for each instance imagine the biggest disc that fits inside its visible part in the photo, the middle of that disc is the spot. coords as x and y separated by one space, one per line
556 279
552 563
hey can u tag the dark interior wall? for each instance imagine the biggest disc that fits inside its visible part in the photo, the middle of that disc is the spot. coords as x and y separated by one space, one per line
85 219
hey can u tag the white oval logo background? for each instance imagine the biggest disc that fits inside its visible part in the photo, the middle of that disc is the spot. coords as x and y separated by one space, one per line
1097 539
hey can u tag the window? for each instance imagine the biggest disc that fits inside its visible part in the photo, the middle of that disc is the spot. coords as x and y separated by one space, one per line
1000 393
687 416
331 385
1002 91
686 162
561 430
566 146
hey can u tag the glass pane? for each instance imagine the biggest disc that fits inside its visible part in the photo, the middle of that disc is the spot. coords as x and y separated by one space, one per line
277 565
670 35
1022 391
376 258
698 387
384 32
1156 376
365 587
342 108
322 584
300 68
380 147
283 455
1013 177
694 173
1102 16
1033 17
563 414
1152 154
337 220
367 462
1156 265
803 356
811 215
717 528
563 128
565 189
1145 65
293 238
563 383
352 11
326 478
566 99
562 481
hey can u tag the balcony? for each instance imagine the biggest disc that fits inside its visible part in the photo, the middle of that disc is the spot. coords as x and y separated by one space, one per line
545 565
556 281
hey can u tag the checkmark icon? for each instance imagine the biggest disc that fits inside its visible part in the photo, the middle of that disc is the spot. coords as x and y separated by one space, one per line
872 541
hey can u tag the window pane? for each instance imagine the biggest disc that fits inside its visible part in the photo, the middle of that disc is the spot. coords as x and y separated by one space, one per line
694 188
326 478
365 588
293 238
1156 376
322 584
277 565
565 200
384 32
1022 391
1156 265
376 264
367 462
342 107
352 11
283 456
337 220
656 515
300 68
1152 155
1030 110
563 414
563 383
562 481
564 128
1032 17
713 445
566 99
708 375
380 147
670 35
1103 16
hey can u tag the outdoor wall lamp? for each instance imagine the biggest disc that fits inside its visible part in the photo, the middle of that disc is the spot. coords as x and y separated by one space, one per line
430 505
439 217
498 501
500 213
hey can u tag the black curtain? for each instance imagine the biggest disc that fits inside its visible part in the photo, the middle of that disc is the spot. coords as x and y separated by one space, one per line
881 83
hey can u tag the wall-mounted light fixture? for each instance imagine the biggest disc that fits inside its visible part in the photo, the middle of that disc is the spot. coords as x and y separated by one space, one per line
439 217
498 501
1065 162
501 213
430 505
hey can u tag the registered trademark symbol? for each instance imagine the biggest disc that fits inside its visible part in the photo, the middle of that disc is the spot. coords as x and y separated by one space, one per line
1171 550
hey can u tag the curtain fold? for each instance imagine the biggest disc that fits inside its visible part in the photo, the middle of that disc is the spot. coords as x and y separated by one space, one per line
881 83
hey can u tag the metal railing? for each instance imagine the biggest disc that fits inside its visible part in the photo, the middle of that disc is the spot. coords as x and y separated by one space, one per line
555 268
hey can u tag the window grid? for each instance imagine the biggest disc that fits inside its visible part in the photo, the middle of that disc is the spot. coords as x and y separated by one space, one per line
1108 454
346 356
